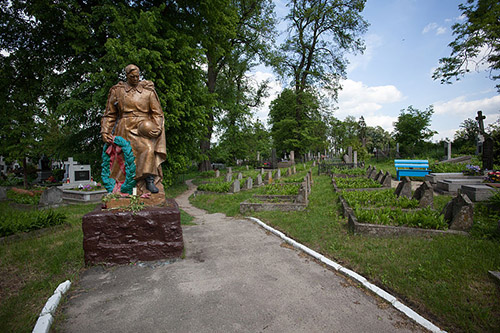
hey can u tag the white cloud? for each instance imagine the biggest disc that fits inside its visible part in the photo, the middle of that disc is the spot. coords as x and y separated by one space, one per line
357 99
460 107
434 27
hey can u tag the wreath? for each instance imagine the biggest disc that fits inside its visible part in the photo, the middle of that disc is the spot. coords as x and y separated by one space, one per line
129 161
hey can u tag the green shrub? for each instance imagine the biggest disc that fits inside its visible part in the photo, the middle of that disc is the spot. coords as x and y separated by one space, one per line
22 198
13 221
378 199
426 218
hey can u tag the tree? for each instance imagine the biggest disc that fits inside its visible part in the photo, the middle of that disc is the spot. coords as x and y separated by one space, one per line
412 129
477 42
320 33
287 133
224 28
465 138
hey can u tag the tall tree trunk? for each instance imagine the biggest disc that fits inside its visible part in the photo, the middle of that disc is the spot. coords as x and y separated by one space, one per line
205 164
25 172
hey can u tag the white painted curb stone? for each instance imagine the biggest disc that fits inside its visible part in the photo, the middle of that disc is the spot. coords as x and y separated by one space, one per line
47 315
378 291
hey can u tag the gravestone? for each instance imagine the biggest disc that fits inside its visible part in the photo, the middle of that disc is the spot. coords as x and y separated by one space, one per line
355 158
346 159
269 178
3 193
368 171
404 188
478 192
229 177
249 183
379 176
448 151
51 196
289 172
292 156
217 173
278 174
488 153
239 176
75 174
258 182
258 156
349 153
261 171
459 213
386 180
235 187
373 172
229 170
425 195
274 159
246 167
294 170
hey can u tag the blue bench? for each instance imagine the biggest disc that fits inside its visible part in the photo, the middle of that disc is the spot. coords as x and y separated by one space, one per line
412 168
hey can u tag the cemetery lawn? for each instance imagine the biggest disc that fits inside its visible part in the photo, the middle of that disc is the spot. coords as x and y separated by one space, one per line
32 265
444 278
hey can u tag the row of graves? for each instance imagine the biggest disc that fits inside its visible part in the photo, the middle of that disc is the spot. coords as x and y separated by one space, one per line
373 206
279 189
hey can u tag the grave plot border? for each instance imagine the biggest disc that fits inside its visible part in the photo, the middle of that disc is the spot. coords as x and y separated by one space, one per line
70 196
334 183
387 230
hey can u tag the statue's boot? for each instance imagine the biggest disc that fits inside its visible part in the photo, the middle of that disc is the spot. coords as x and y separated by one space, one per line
150 184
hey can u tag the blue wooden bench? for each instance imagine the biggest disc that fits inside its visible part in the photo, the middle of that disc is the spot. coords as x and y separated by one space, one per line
412 168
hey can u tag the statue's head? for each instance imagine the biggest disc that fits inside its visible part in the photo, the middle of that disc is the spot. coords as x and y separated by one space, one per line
133 74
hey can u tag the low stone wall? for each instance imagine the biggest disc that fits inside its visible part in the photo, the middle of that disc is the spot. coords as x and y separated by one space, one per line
83 196
387 230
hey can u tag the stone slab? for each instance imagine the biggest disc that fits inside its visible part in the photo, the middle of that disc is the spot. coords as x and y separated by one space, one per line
83 196
453 185
111 237
435 177
478 192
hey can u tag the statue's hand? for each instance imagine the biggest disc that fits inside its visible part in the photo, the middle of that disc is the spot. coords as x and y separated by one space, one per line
107 138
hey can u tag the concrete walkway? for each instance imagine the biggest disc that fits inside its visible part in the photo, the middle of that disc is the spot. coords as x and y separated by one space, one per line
235 277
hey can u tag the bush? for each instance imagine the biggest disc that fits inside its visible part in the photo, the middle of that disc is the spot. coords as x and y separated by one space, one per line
13 221
215 187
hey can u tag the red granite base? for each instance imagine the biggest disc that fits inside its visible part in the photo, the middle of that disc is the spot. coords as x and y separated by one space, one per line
120 237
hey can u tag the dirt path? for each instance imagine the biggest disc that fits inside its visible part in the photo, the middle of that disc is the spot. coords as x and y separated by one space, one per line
235 277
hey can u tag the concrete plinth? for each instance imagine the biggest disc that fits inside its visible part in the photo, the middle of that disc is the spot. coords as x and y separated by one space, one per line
478 192
120 237
453 185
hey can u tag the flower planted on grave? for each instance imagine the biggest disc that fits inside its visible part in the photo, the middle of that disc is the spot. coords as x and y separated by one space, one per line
493 177
472 170
89 187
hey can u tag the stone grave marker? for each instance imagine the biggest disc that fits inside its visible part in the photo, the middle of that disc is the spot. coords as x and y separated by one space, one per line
3 193
3 166
355 158
240 176
349 153
386 180
249 183
247 167
425 195
229 177
459 213
289 172
229 170
379 176
258 182
346 159
75 174
292 156
294 170
373 172
404 188
235 186
51 196
261 171
278 174
269 177
368 171
217 173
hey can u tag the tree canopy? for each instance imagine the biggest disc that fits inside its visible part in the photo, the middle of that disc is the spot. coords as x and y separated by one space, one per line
477 42
412 128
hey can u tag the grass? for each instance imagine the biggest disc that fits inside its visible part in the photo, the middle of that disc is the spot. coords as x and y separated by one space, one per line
445 278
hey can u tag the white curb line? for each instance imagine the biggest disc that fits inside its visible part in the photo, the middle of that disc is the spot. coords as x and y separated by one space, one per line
47 315
380 292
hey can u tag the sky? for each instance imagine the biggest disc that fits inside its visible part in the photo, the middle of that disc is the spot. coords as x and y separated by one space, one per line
404 42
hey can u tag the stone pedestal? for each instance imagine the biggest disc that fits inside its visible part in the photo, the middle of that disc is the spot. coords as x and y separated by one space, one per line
121 237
